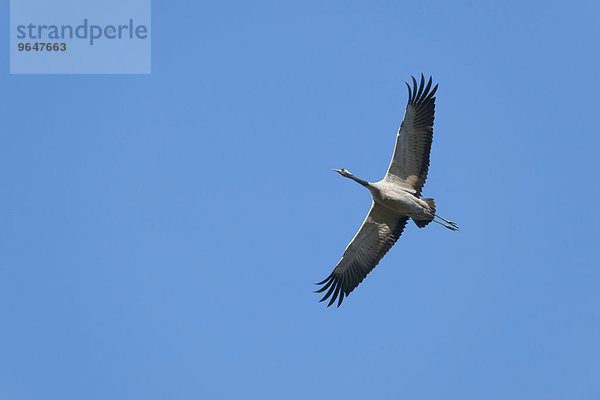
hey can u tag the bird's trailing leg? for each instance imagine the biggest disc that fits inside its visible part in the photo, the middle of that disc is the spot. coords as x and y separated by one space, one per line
448 224
445 220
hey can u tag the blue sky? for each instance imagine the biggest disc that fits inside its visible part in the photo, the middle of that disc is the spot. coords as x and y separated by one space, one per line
160 235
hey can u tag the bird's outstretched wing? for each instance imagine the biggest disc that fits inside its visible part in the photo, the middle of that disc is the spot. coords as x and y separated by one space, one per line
410 162
378 233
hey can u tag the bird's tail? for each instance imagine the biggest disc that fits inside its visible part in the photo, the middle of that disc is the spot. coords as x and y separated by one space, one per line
422 223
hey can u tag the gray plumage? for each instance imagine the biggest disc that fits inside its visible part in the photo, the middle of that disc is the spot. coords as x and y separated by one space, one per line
396 198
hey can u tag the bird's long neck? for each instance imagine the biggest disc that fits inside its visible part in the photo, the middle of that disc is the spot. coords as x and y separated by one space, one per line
358 180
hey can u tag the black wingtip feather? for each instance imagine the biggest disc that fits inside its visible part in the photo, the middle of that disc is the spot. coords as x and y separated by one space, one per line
335 294
433 91
341 299
428 85
421 86
324 280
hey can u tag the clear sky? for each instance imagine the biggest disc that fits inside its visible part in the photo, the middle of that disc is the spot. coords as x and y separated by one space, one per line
160 235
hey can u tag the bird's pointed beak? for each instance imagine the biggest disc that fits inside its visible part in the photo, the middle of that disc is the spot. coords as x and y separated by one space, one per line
339 171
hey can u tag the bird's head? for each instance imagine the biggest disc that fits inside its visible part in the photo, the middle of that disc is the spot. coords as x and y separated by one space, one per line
343 172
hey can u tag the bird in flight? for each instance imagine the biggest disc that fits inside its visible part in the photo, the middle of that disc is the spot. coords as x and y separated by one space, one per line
396 198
